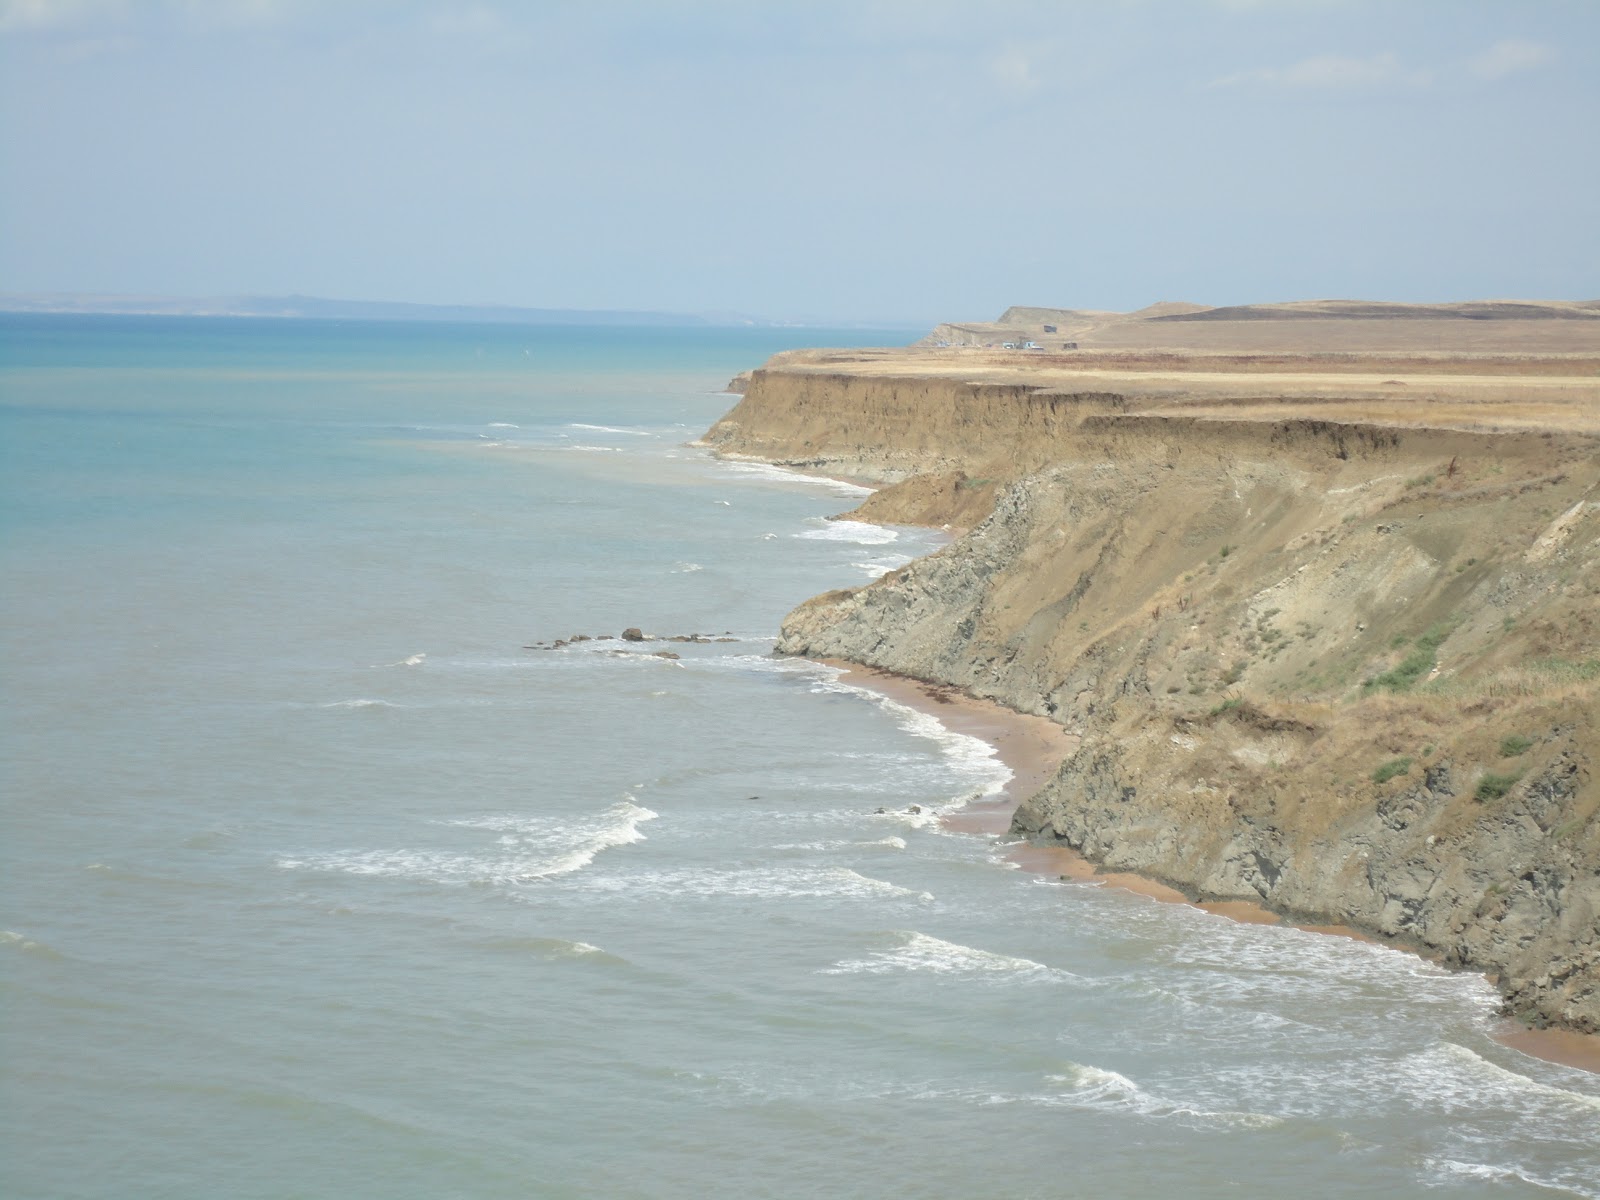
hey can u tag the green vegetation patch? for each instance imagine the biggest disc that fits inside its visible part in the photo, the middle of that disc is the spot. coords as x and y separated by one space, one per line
1422 659
1567 670
1395 766
1513 745
1492 786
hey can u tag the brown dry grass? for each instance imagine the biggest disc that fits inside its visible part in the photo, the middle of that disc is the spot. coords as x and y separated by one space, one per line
1512 394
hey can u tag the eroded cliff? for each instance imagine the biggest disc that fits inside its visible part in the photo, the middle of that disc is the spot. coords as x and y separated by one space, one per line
1344 667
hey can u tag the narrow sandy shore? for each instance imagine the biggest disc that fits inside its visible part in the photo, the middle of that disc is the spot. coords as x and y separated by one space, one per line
1034 747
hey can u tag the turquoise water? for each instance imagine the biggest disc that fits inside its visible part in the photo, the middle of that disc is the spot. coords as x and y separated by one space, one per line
318 883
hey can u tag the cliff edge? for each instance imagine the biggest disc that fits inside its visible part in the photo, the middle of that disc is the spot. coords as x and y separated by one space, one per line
1327 623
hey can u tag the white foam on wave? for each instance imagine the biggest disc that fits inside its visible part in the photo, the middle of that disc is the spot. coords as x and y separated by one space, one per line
550 948
885 843
774 474
503 425
882 566
609 429
974 759
779 883
686 568
919 952
529 849
26 945
1452 1173
416 660
1457 1079
1084 1086
361 702
595 449
924 817
859 533
762 664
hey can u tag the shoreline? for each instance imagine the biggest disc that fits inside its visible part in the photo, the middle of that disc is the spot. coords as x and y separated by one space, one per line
1033 748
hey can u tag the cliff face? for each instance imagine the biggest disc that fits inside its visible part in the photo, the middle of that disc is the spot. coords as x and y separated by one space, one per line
1345 669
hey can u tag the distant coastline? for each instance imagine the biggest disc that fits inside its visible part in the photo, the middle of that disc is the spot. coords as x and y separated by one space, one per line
317 308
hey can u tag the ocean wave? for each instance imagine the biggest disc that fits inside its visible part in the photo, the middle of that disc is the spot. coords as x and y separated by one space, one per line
550 948
1085 1086
610 429
146 879
25 945
415 660
1077 1086
857 532
765 664
919 952
882 566
774 474
779 883
361 702
529 849
884 843
974 759
503 425
1456 1079
686 568
1451 1173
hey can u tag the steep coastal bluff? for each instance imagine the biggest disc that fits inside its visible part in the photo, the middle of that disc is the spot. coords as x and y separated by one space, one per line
1317 587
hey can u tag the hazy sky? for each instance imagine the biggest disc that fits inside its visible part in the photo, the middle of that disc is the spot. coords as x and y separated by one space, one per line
868 158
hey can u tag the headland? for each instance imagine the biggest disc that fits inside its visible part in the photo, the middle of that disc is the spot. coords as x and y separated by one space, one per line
1314 590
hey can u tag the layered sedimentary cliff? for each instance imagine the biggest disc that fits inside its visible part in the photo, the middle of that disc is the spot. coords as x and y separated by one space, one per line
1332 655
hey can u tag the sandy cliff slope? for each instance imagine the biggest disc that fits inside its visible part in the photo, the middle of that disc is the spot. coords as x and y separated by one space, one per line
1327 622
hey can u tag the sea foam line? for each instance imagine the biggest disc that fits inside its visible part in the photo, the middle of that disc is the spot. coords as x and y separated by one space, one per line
770 473
529 849
1084 1086
973 758
609 429
859 533
920 952
768 883
976 762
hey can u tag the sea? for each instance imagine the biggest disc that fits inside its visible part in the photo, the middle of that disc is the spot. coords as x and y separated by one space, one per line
326 873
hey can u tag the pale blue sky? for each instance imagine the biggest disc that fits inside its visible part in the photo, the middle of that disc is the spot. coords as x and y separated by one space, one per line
866 159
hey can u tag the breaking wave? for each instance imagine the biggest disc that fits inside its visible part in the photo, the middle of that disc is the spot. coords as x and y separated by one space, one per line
528 850
756 884
919 952
858 532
